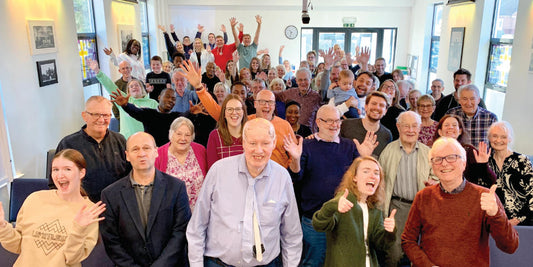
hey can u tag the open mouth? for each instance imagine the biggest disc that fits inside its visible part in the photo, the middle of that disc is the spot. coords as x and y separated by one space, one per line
371 186
63 186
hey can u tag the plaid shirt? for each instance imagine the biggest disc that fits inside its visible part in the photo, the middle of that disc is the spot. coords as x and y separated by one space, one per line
476 127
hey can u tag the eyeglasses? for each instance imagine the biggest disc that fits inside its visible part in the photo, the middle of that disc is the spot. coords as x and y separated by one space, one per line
408 127
264 102
97 116
450 159
426 106
330 121
236 110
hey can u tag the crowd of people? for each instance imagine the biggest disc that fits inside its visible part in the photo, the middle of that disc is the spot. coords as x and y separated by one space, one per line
223 159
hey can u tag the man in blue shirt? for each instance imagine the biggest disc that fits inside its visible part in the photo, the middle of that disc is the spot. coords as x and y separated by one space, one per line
184 94
246 211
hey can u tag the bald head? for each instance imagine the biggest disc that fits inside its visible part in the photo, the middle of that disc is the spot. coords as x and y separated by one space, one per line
140 136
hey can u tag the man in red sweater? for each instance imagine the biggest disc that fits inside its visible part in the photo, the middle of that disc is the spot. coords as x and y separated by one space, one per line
453 219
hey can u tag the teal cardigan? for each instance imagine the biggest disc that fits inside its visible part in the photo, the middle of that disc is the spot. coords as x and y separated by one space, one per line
344 233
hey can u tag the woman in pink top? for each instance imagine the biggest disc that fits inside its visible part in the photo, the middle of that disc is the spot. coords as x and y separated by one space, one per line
226 141
183 158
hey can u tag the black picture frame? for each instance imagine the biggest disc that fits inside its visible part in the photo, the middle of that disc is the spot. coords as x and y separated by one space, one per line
455 56
47 72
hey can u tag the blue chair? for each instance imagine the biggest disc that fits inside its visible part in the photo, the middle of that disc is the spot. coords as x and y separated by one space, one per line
522 256
113 125
21 188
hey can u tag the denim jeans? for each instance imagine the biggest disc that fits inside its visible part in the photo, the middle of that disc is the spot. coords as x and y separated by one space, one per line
314 245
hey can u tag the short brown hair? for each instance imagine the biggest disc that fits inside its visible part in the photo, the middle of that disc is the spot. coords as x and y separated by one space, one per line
346 74
157 58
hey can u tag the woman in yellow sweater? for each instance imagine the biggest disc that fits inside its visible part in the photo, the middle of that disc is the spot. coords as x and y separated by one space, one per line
55 227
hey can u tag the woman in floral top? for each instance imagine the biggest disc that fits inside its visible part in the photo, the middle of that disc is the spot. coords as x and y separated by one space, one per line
426 107
515 175
182 158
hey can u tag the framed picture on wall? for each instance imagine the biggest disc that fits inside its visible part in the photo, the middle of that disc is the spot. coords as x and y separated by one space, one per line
455 55
41 34
125 34
47 72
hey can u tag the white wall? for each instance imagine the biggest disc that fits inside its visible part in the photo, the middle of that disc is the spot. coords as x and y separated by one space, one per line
38 117
517 108
186 15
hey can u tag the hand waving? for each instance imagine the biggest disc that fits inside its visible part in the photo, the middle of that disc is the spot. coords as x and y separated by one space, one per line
369 144
293 148
90 215
192 73
118 98
108 51
482 154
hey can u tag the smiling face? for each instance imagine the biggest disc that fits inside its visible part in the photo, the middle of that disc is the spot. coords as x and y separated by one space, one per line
499 138
389 89
265 104
450 128
156 66
265 61
469 101
239 90
425 108
198 45
141 151
328 122
281 71
211 38
254 65
460 80
303 80
311 57
97 116
258 144
167 100
181 138
363 85
125 70
180 83
292 114
376 108
135 47
220 42
277 86
246 40
271 74
220 93
210 69
135 89
408 128
413 98
234 112
380 67
448 173
334 75
367 179
436 89
245 74
67 177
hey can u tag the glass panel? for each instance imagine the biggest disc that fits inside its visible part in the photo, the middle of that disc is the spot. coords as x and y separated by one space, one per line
144 16
87 50
389 46
505 19
327 40
83 14
146 51
494 100
437 19
434 56
499 65
307 43
364 39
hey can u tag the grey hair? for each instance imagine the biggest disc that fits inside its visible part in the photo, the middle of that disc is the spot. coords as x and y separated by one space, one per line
402 115
274 81
406 82
261 123
441 141
282 67
507 128
305 70
439 80
177 123
468 87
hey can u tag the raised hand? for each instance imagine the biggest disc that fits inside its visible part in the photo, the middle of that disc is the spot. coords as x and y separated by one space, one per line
208 48
364 56
118 98
200 28
344 204
192 73
351 102
482 155
198 108
262 75
258 19
488 201
389 222
223 28
369 144
93 65
149 88
236 57
90 215
220 74
240 27
108 51
293 148
171 27
349 59
328 57
233 21
162 28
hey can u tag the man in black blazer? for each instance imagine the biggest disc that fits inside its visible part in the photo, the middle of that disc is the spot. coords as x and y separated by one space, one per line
147 212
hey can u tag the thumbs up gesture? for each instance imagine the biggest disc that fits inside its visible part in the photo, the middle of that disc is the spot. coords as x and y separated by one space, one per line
488 201
344 204
389 223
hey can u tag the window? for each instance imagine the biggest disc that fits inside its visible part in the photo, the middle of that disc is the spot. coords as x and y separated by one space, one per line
84 15
145 34
435 43
499 62
382 41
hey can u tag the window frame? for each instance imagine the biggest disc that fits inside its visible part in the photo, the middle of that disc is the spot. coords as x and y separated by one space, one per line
434 38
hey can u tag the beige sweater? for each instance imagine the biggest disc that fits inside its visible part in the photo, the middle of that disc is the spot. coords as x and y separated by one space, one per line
46 234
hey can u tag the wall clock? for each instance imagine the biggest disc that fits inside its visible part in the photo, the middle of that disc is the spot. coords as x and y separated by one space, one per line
291 32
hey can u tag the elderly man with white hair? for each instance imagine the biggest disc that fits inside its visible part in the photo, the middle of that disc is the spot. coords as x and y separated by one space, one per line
449 223
476 120
407 171
184 94
246 213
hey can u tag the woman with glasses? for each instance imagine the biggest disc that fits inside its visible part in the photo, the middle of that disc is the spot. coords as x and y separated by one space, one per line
515 175
226 139
477 169
425 108
183 158
389 120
